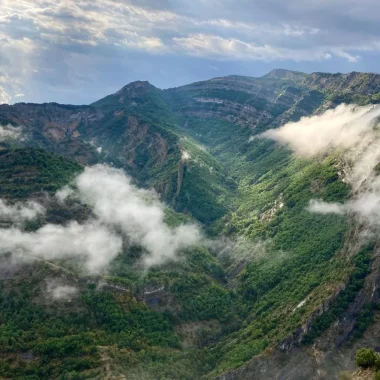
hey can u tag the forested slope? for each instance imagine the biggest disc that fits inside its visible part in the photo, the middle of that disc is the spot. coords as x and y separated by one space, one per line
268 278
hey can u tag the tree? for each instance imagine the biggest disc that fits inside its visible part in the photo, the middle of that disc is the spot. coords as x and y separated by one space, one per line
366 357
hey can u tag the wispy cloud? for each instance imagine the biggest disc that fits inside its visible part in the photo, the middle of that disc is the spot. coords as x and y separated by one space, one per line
122 214
353 131
10 132
20 211
137 213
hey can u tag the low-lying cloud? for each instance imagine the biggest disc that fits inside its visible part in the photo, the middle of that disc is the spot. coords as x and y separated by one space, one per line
9 132
117 202
321 207
342 127
91 244
354 131
122 213
20 211
59 291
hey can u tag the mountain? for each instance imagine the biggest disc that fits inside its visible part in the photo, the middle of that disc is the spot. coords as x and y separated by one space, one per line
276 292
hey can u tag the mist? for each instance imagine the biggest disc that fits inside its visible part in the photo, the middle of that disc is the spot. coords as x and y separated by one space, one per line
321 207
121 212
92 245
137 213
59 291
353 131
20 211
339 128
10 132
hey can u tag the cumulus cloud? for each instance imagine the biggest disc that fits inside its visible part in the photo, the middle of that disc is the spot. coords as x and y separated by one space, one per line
91 244
9 132
20 212
354 131
117 202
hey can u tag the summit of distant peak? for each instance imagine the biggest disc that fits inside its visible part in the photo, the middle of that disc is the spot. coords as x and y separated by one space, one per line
283 73
136 86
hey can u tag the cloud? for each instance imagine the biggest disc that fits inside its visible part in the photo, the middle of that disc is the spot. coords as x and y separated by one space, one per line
321 207
121 211
91 244
4 97
354 132
185 156
214 46
117 202
342 127
49 43
10 132
59 291
20 212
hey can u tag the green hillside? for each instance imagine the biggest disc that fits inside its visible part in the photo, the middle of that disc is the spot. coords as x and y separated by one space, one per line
269 278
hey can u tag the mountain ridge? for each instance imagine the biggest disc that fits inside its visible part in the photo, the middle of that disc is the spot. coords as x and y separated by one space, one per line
199 147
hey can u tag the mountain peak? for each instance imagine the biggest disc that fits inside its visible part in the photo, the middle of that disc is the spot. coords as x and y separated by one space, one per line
137 86
283 74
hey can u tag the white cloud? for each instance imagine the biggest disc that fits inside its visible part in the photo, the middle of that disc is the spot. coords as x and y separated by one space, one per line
10 132
354 131
4 97
213 46
92 244
59 291
185 156
342 127
50 42
321 207
20 212
117 202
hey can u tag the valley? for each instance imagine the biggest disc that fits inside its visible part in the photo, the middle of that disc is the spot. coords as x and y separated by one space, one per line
246 278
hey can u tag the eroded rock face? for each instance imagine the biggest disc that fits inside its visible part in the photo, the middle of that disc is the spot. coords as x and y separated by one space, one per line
329 354
53 121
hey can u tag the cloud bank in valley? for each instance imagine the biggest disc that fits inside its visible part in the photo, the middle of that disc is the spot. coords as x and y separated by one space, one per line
117 202
353 130
339 128
121 212
92 244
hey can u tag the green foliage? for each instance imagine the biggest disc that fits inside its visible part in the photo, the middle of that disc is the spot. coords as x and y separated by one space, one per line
27 171
68 342
236 184
361 263
366 357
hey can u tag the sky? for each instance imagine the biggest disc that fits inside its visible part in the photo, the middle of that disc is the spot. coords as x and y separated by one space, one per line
77 51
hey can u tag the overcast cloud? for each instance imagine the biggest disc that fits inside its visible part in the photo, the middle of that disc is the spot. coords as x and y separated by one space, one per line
78 51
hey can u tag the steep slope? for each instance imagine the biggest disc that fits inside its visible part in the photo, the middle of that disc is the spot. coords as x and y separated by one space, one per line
278 278
57 320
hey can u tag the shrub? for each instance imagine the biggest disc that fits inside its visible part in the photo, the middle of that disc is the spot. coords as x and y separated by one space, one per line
366 357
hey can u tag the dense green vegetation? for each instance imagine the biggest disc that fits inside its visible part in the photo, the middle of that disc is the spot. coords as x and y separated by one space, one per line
67 342
200 148
368 358
28 171
345 297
